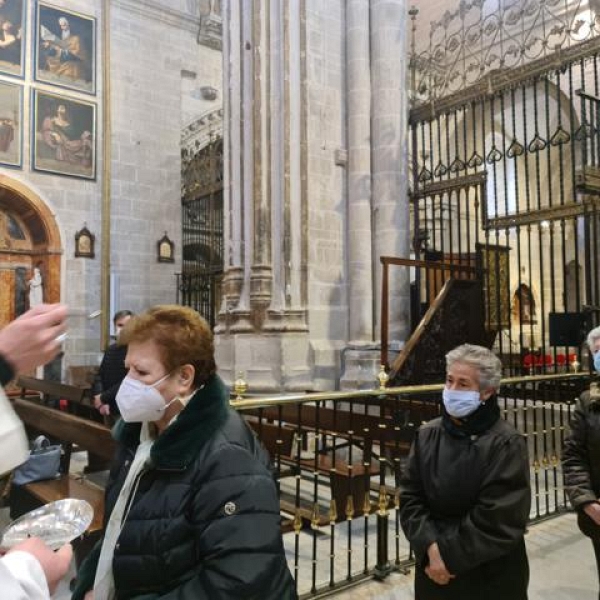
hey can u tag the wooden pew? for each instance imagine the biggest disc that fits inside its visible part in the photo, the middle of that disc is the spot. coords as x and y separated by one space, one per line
50 392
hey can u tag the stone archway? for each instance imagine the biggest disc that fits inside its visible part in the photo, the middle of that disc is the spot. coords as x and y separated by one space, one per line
29 236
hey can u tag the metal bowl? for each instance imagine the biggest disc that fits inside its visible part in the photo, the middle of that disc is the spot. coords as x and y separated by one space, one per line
56 524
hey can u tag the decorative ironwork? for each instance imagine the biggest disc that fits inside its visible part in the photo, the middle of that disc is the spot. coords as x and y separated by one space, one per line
199 283
483 36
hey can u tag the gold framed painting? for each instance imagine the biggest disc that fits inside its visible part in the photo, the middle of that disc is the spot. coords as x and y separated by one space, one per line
63 135
65 48
13 30
11 125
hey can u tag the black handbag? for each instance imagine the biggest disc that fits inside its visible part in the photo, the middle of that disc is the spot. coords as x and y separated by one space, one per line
43 463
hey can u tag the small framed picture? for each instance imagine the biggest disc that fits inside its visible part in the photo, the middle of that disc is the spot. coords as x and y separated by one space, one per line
11 124
12 42
65 49
63 136
84 243
165 249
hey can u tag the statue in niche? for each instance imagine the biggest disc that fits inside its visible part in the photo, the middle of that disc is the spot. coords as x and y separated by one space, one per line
523 305
36 291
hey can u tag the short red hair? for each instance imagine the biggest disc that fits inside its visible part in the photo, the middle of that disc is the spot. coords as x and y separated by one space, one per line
181 334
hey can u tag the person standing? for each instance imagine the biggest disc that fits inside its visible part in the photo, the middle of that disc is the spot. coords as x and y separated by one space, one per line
30 570
581 456
191 504
465 497
112 370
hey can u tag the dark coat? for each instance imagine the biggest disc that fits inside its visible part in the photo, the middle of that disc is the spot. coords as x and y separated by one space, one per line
204 523
110 375
471 495
581 452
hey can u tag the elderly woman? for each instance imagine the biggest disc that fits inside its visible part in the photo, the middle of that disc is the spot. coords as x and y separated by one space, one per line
581 455
193 507
465 496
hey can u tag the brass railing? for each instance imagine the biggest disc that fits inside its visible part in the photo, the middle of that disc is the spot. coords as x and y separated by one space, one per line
338 459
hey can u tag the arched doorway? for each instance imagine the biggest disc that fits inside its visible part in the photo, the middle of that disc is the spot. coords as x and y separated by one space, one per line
29 237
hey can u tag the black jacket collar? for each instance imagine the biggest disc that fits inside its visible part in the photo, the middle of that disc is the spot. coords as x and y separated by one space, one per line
179 444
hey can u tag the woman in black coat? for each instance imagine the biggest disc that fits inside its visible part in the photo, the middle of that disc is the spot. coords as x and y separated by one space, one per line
193 508
581 455
465 498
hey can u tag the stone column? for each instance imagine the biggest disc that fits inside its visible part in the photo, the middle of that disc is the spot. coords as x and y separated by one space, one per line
389 102
360 248
265 197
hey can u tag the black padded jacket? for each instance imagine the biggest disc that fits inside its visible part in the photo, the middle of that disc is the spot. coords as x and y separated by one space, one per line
204 523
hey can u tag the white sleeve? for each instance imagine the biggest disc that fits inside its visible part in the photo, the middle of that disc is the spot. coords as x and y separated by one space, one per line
22 577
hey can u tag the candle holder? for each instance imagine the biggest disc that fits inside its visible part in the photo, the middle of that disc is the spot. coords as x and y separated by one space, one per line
383 377
240 386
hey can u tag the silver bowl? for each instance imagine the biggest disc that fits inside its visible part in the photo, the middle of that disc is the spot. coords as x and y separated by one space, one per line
56 524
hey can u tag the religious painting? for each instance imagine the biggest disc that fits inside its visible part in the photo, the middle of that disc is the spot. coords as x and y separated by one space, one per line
65 48
12 37
63 136
11 124
84 243
165 249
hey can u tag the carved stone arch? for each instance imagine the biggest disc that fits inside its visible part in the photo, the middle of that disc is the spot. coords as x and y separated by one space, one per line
44 248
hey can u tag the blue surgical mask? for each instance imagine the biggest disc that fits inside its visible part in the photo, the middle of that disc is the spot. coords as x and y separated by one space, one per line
460 403
597 361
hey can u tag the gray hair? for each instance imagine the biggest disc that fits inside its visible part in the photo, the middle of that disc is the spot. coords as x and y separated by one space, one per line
482 359
592 337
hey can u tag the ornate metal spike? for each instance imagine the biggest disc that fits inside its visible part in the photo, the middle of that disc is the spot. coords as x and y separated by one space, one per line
515 149
333 514
475 161
559 137
583 131
397 500
440 170
536 465
366 504
349 507
457 165
494 155
297 521
425 174
537 144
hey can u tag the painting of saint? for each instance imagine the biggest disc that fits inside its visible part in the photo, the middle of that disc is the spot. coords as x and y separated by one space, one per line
12 36
65 48
11 109
64 136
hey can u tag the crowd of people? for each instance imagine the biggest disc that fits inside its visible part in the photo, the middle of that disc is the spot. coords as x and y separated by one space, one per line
191 505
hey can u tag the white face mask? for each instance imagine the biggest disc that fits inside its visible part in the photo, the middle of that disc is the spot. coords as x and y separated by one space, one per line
139 402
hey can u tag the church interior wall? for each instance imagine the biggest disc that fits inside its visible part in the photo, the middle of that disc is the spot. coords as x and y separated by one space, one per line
156 70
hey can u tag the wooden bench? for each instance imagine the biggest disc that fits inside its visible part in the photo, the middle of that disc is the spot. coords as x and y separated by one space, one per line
69 430
51 392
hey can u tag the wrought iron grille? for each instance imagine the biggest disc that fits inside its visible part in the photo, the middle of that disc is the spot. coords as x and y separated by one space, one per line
485 36
506 177
198 285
